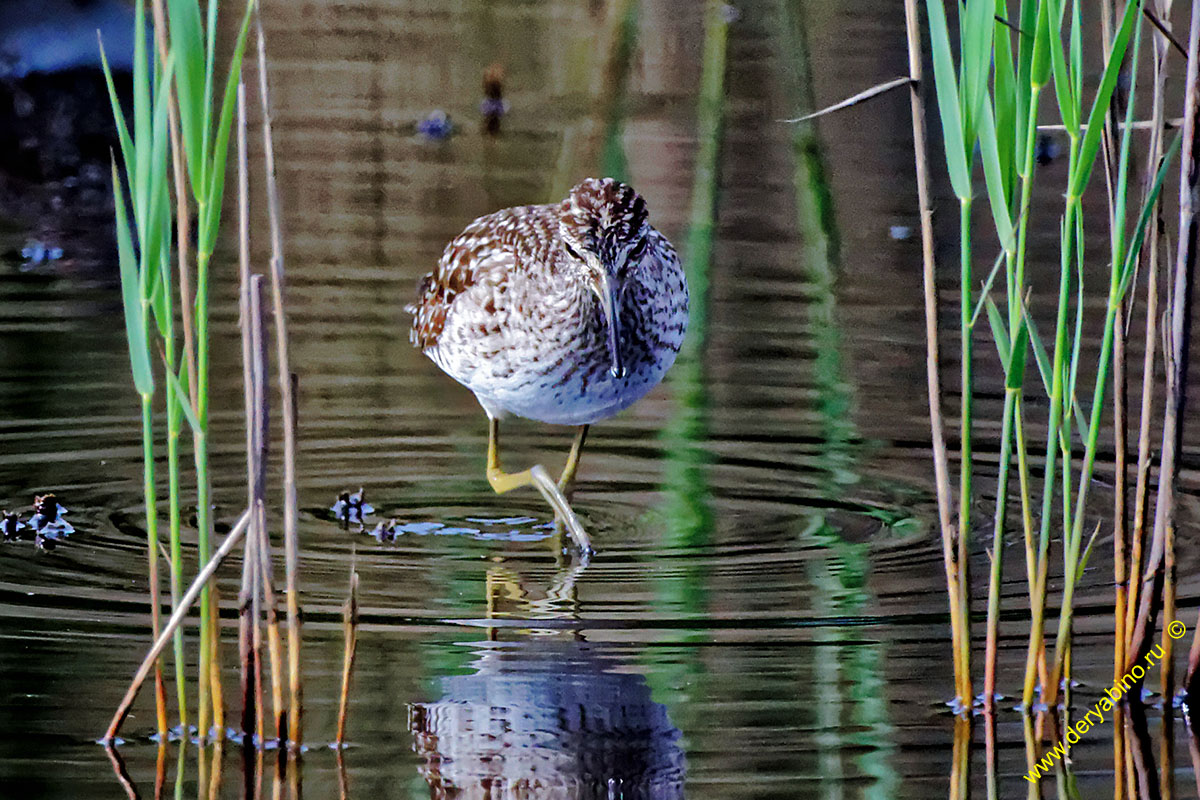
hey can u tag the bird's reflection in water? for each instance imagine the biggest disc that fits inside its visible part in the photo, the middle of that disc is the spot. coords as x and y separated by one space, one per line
547 717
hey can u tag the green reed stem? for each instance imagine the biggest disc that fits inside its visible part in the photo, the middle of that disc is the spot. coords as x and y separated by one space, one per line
151 497
174 411
1037 662
1015 261
1115 297
1011 397
174 429
1016 288
1057 393
966 309
174 425
203 483
1074 542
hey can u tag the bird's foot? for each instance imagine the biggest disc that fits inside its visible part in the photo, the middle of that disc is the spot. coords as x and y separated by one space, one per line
562 509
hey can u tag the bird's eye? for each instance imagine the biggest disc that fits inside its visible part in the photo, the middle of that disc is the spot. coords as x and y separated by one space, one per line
572 251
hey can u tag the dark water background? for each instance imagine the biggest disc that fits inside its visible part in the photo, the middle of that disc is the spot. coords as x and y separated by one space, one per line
766 615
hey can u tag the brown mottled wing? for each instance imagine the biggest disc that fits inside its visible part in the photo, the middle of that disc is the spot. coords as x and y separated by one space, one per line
486 249
457 270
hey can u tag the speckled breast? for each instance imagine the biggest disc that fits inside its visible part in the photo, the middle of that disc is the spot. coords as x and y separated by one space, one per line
549 361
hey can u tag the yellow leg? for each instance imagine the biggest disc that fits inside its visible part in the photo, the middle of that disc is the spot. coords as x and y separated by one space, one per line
567 481
537 477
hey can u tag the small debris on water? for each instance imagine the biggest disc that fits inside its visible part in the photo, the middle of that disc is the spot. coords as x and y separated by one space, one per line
436 126
493 107
900 232
10 526
385 531
1047 149
351 508
37 253
47 517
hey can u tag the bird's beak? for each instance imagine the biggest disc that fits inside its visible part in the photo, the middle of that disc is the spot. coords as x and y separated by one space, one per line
612 320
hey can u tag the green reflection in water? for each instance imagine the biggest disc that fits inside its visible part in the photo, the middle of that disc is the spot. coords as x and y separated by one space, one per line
686 512
685 516
845 673
614 163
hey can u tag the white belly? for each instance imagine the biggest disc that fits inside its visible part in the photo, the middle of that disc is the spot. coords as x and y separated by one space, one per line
572 399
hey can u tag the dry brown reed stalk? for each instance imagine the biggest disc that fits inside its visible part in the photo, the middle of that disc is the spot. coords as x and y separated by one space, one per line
260 406
256 640
1162 47
216 688
1120 490
263 592
249 562
1137 125
1141 490
246 624
1193 668
1120 414
1176 354
862 97
1167 664
1162 21
350 631
288 400
185 605
959 624
255 416
274 639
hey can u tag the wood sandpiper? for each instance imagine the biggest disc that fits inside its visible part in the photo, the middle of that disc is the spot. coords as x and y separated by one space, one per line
565 313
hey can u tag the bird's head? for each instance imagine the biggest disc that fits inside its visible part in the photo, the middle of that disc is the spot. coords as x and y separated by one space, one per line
605 233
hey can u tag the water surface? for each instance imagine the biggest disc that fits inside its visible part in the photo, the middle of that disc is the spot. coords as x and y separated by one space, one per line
766 614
